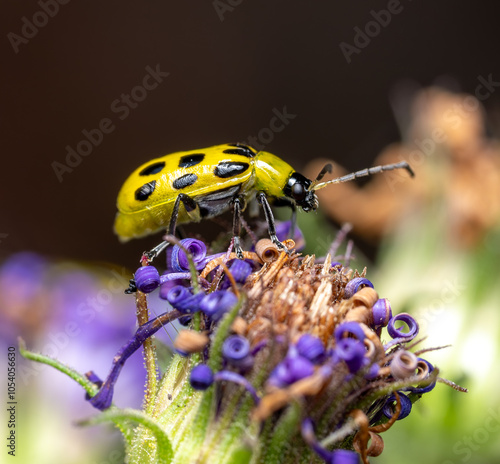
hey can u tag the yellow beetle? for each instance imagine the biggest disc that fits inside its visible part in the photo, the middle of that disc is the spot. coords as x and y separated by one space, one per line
192 185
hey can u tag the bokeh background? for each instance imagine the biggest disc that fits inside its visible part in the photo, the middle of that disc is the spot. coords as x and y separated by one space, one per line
232 66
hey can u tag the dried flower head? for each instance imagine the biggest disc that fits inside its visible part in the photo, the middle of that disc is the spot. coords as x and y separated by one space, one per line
283 361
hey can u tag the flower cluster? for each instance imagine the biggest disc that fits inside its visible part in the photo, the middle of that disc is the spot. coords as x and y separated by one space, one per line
281 359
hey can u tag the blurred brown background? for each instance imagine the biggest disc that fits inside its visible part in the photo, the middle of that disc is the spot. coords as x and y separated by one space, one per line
225 79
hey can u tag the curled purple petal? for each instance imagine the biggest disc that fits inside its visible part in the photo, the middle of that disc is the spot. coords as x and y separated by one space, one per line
381 312
201 377
398 333
147 279
352 352
167 284
198 250
182 299
230 376
290 370
355 285
218 303
240 270
388 408
311 348
428 388
235 349
351 328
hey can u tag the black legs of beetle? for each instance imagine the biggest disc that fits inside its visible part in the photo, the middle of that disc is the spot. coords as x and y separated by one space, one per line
237 204
190 205
270 220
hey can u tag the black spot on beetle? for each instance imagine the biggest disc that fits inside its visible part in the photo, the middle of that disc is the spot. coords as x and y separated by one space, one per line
242 150
227 169
191 160
154 168
143 193
184 181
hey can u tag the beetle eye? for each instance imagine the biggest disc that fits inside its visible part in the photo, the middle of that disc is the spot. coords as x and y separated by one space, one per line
298 191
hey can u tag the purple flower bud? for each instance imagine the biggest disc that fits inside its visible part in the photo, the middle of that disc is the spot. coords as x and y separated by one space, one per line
147 279
398 333
182 299
382 313
351 328
352 352
290 370
281 375
201 377
388 408
311 348
240 270
372 372
354 285
235 349
218 303
300 368
198 250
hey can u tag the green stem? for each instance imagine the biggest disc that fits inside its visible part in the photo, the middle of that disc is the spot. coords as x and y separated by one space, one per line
148 353
141 452
285 430
89 387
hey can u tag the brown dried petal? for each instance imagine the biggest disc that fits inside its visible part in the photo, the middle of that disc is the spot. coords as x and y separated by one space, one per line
190 341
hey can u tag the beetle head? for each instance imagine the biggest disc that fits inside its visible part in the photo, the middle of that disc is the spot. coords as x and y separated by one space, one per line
298 189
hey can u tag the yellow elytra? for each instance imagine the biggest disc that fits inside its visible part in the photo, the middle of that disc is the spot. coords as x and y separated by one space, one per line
213 177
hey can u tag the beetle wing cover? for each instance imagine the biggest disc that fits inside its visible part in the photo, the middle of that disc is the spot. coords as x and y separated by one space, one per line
147 197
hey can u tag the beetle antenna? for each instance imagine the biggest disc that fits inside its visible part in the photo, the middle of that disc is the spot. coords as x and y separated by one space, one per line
364 173
327 168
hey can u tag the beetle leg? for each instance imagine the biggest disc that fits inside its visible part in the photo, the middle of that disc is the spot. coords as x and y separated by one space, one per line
270 221
237 227
190 205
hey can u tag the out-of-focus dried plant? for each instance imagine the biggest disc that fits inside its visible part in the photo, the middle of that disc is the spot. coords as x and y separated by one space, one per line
457 170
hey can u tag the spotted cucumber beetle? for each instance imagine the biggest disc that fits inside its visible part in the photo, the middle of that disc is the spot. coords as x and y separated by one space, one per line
189 186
